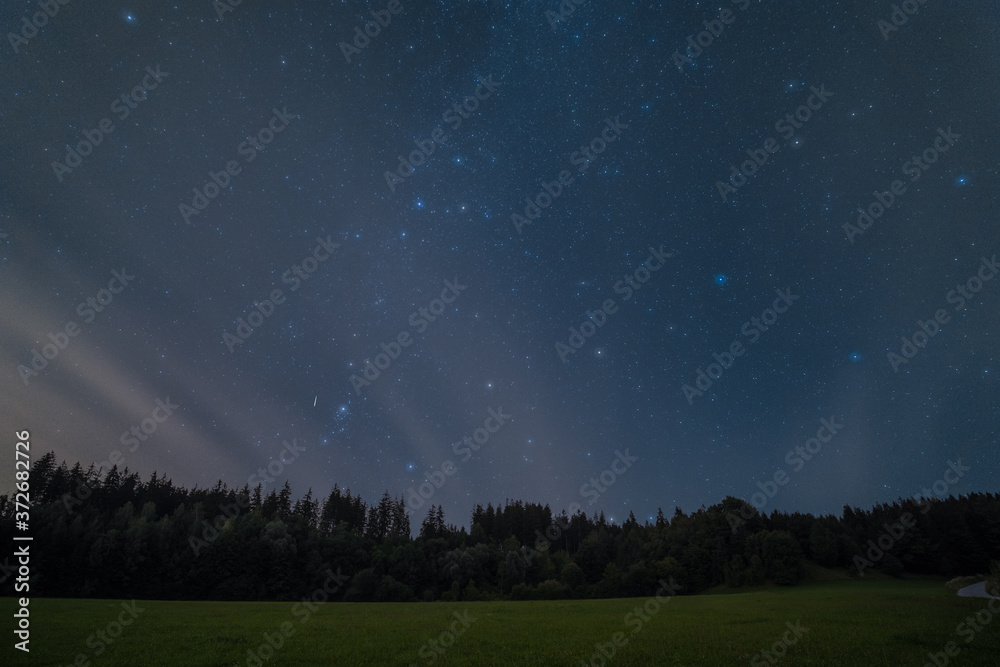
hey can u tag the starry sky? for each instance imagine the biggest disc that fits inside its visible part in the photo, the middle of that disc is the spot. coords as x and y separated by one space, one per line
462 189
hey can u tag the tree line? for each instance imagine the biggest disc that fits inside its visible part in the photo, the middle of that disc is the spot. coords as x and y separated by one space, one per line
115 536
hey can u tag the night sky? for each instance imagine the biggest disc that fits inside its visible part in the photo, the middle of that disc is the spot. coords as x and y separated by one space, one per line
678 196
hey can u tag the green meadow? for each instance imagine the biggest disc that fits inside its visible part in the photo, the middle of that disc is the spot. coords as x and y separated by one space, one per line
887 622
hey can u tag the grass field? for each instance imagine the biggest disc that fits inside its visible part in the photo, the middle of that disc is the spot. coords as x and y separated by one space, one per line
840 623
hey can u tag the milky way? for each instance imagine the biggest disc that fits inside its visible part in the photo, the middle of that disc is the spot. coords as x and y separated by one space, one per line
519 243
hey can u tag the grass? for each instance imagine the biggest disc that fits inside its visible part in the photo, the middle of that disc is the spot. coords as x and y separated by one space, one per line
849 623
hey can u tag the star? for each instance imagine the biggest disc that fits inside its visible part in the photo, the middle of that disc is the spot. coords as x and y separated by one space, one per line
536 204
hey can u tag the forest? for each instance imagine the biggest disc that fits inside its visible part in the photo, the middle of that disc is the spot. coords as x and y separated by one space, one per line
112 535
